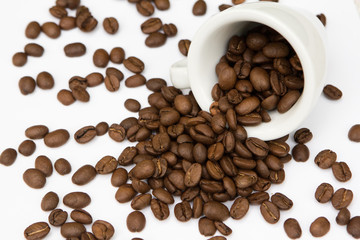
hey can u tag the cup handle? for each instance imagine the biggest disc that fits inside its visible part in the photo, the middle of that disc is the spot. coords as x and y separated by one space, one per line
179 74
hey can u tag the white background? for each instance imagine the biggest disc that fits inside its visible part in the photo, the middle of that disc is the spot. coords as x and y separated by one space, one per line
20 205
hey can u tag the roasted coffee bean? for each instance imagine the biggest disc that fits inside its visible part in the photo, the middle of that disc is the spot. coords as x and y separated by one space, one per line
117 55
85 134
162 4
284 67
155 39
34 178
319 227
343 217
161 142
353 227
101 58
245 178
183 211
51 29
44 164
235 2
155 84
322 18
57 217
324 193
132 105
227 78
217 238
135 81
77 200
81 216
75 49
58 12
139 186
77 81
67 23
325 159
101 128
36 231
197 207
136 221
112 83
256 41
106 165
111 25
270 212
199 8
49 201
119 177
87 236
103 230
127 156
257 147
125 193
141 201
259 79
80 94
84 175
206 227
56 138
72 229
273 163
223 7
332 92
65 97
292 228
170 29
248 105
34 50
62 166
341 171
258 197
193 175
134 64
33 30
72 4
94 79
84 20
288 100
145 8
342 198
27 148
303 135
117 132
276 50
354 133
184 46
159 209
45 80
223 228
151 25
281 201
144 169
278 148
300 152
27 85
216 211
8 156
19 59
293 82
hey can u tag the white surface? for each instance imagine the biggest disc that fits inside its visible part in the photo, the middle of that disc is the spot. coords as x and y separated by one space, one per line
302 29
20 205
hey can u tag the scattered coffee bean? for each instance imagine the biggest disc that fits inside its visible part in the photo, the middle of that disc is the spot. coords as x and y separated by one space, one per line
111 25
81 216
324 193
343 217
50 201
44 164
57 217
80 94
75 49
151 25
159 209
34 178
199 8
84 175
223 228
76 200
325 159
342 198
270 212
136 80
58 12
155 39
8 156
292 228
354 133
117 132
85 134
65 97
67 23
239 208
125 193
51 29
94 79
103 230
184 46
300 152
236 2
322 18
117 55
206 227
303 135
72 229
341 171
320 227
145 8
27 148
37 231
132 105
353 227
170 29
332 92
101 128
119 177
216 211
62 166
34 50
134 64
19 59
101 58
106 165
87 236
27 85
136 221
223 7
281 201
56 138
45 80
84 20
33 30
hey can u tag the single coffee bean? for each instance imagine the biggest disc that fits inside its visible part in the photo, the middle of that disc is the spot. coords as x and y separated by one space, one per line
197 207
19 59
159 209
223 228
139 186
117 55
303 135
67 23
292 228
300 152
119 177
50 201
85 134
58 12
183 211
106 165
57 217
259 79
256 41
84 20
199 8
258 197
257 147
33 30
163 195
103 230
342 198
320 227
144 169
184 46
325 159
62 166
132 105
162 4
101 58
145 8
77 81
44 164
72 4
322 18
276 50
125 193
236 2
84 175
281 201
117 132
134 64
111 25
182 104
101 128
27 148
37 231
56 138
94 79
354 133
288 100
81 216
34 178
87 236
72 229
27 85
227 78
151 25
273 163
270 212
75 49
155 84
223 7
170 29
193 175
343 217
216 211
217 238
136 221
341 171
45 80
65 97
34 50
332 92
155 39
51 29
8 156
353 227
141 201
324 193
206 227
76 200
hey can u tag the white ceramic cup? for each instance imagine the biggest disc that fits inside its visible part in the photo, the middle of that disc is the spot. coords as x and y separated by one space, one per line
302 30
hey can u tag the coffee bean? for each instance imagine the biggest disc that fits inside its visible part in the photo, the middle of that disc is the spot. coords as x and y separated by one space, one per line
117 55
324 193
84 20
292 228
62 166
332 92
259 79
151 25
217 238
161 142
227 78
247 105
256 41
303 135
27 85
320 227
270 212
33 30
87 236
216 211
170 29
155 39
119 177
19 59
341 171
57 217
300 152
77 81
37 231
112 79
67 23
144 169
65 97
45 80
27 148
183 211
155 84
343 217
354 133
163 195
184 46
56 138
44 164
159 209
276 50
111 25
125 193
199 8
80 94
72 229
85 134
72 4
132 105
325 159
34 50
84 175
77 200
81 216
50 201
162 4
134 64
75 49
223 228
136 221
8 156
257 147
341 198
223 7
206 227
214 170
145 8
273 163
322 18
101 58
51 29
197 207
281 201
353 227
34 178
103 230
141 201
106 165
117 132
101 128
58 12
288 100
139 186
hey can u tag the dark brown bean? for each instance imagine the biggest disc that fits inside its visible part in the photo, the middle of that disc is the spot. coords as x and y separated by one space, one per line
342 198
50 201
33 30
117 132
101 58
134 64
101 128
57 217
206 227
216 211
145 8
103 230
132 105
170 29
67 23
65 97
319 227
77 200
343 217
324 193
136 221
84 175
34 178
151 25
37 231
162 4
325 159
111 25
119 177
354 133
281 201
292 228
117 55
72 229
159 209
27 85
270 212
81 216
27 148
106 165
155 39
199 8
51 29
62 166
44 164
19 59
8 156
56 138
34 50
125 193
75 49
184 46
341 171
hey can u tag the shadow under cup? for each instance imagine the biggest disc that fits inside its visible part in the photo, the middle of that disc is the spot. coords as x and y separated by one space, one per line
301 30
